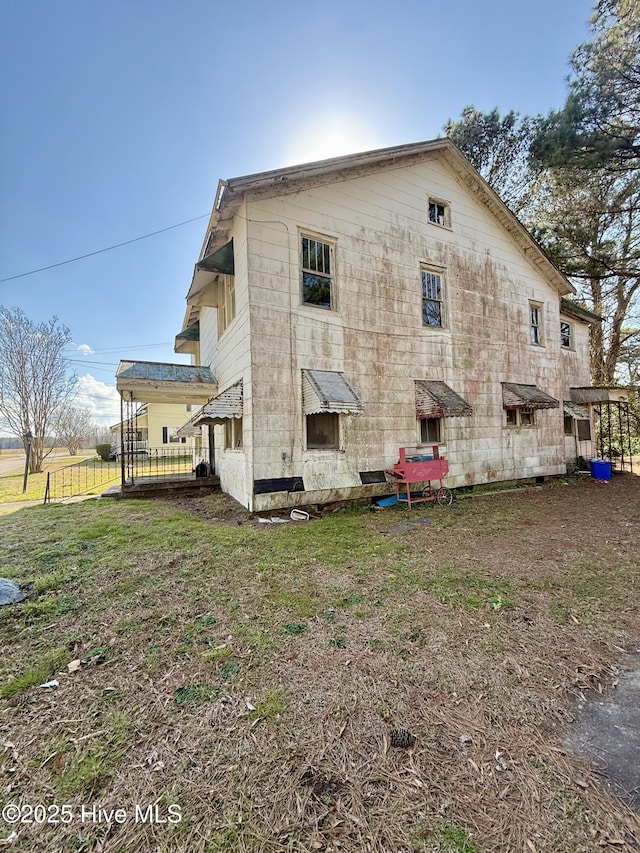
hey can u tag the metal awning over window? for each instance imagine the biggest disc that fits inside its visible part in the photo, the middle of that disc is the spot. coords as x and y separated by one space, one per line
517 396
220 260
572 410
187 339
226 405
435 399
191 333
328 391
206 275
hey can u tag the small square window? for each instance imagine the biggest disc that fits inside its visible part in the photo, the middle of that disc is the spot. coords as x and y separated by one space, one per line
439 212
432 298
526 417
568 425
566 337
317 273
323 431
520 417
430 431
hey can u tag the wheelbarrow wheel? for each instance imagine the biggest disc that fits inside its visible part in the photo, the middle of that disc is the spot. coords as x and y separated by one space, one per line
444 497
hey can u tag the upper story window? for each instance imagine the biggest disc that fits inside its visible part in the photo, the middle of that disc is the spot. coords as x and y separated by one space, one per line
227 303
535 323
566 335
432 298
439 212
318 286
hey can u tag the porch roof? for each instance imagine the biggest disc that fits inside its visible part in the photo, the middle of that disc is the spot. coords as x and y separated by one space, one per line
157 382
518 396
435 399
328 391
600 394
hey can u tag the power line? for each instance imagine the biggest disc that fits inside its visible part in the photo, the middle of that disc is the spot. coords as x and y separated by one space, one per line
107 350
101 251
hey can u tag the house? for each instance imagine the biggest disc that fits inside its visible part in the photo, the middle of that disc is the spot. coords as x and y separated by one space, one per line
353 306
152 427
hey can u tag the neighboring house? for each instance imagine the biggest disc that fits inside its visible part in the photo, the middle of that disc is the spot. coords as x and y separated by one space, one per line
152 427
353 306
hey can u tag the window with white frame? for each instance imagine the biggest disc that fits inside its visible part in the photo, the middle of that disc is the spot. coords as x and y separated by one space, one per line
318 287
566 335
323 431
227 302
432 282
535 323
439 212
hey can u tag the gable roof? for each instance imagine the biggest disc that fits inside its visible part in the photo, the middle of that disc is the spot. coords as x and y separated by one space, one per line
232 192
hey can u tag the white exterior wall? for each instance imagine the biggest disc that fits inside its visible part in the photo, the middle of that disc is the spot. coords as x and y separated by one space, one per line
382 234
229 360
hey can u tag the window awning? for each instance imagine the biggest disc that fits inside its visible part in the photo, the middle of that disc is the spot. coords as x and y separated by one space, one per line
191 333
219 409
572 410
220 260
203 290
328 391
187 339
435 399
517 396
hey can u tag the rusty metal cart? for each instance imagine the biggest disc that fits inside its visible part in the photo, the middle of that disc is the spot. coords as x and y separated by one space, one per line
420 465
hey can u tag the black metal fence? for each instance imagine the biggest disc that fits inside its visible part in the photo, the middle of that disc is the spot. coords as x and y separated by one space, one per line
169 462
94 475
86 477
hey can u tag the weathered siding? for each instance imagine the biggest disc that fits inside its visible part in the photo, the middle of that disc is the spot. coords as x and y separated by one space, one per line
229 359
376 337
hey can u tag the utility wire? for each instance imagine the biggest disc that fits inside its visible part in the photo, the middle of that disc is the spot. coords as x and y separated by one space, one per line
101 251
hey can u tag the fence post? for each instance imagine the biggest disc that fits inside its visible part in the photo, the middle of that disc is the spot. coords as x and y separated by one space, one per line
47 494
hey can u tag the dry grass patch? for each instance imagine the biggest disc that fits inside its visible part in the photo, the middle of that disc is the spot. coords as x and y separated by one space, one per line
252 675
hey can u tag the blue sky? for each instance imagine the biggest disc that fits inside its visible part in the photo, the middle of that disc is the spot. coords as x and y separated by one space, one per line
118 118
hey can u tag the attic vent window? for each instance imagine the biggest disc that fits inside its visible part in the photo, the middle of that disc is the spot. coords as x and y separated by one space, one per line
439 212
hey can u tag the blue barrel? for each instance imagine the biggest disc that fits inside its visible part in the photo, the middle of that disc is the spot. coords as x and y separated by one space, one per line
600 469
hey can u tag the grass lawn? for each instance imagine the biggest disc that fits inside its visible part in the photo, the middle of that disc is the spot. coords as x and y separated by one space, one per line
85 473
247 678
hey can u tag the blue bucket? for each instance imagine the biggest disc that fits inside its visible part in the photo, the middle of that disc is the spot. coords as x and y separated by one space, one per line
600 469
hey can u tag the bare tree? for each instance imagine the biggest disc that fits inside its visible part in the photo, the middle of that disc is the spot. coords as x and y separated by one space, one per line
74 428
35 382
